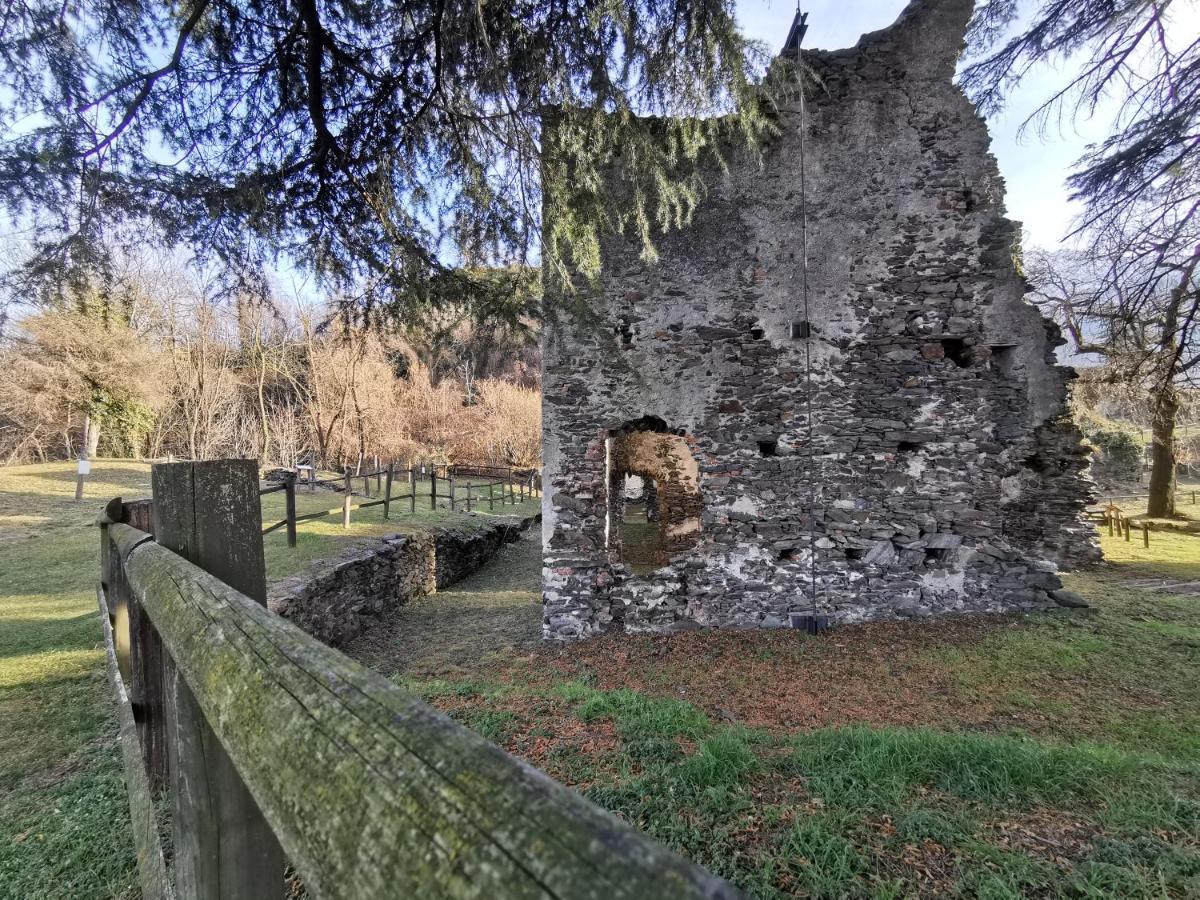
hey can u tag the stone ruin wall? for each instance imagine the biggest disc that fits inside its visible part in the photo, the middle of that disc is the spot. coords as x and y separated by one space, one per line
337 599
947 475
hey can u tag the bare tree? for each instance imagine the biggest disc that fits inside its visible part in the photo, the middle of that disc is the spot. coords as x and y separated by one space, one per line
1147 339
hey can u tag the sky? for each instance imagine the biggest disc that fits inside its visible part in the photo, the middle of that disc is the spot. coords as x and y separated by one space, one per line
1034 167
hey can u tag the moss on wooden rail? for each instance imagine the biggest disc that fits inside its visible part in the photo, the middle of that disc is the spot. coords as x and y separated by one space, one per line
371 792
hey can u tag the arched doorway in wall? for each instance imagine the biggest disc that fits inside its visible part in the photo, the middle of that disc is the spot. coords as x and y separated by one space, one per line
654 501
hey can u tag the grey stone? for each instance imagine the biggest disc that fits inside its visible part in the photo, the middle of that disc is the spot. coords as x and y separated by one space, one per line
1070 599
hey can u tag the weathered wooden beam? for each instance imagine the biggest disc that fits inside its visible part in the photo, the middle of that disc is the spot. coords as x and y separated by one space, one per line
152 868
209 513
371 792
147 663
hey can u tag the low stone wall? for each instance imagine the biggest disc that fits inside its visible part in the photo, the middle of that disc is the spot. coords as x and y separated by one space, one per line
339 598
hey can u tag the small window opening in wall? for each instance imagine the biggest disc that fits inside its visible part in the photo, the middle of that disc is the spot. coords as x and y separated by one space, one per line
1036 463
768 447
936 555
757 332
956 351
801 329
789 553
907 447
626 332
1004 358
855 553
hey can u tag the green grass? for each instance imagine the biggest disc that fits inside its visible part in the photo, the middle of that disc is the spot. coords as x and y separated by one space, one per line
63 817
1083 779
801 814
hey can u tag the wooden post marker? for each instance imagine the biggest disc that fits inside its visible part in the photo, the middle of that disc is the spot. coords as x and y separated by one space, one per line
450 478
209 513
387 490
412 490
1145 534
433 487
289 499
82 470
346 500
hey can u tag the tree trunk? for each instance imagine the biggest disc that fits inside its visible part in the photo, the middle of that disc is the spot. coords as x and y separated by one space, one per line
1162 455
91 436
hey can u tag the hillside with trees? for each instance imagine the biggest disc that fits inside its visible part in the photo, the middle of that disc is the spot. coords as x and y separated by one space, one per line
160 367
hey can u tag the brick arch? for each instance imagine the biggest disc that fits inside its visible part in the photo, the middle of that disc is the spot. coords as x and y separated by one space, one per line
648 449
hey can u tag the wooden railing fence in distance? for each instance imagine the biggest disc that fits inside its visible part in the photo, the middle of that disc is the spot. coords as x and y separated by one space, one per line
368 791
482 484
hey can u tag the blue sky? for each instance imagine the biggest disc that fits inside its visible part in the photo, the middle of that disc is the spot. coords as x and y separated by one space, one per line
1034 167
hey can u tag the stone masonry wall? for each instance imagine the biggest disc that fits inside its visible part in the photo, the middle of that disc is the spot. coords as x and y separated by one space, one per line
341 597
943 474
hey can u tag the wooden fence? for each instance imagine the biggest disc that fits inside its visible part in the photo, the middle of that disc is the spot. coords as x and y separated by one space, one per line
1185 492
445 483
1120 524
273 747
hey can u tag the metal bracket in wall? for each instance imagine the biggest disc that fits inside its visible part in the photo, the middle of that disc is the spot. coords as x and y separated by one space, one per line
807 622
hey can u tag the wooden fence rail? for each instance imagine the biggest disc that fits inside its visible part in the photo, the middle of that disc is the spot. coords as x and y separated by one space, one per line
369 792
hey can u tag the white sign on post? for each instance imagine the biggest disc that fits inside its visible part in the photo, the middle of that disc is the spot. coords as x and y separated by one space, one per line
85 467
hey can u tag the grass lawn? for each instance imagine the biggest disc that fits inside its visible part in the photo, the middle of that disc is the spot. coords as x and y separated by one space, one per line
1049 755
63 815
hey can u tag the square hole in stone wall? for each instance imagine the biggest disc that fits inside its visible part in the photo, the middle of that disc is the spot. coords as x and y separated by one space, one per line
801 329
768 447
956 351
1004 358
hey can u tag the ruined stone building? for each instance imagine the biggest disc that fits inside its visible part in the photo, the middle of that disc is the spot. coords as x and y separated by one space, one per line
940 473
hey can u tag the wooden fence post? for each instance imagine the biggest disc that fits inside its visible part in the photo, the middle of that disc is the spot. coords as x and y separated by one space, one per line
1145 534
209 513
433 487
412 489
492 496
144 647
346 500
378 475
468 495
450 478
387 490
289 501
